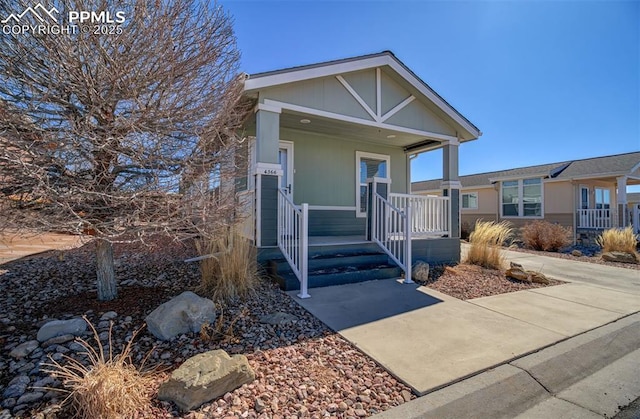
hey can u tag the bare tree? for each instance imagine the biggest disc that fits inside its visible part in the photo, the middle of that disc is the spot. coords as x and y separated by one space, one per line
121 127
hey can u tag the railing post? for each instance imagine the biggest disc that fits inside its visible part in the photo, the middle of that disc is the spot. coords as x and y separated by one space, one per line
304 252
407 239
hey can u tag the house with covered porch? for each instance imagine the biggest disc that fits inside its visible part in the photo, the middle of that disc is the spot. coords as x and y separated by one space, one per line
587 196
329 179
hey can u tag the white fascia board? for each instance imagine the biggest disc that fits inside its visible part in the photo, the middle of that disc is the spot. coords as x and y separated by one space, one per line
446 108
315 72
346 118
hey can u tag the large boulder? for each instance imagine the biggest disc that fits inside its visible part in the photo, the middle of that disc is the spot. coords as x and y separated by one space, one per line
621 257
205 377
183 314
420 271
75 327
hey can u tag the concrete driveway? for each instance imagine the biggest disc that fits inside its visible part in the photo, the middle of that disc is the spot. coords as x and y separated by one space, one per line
429 340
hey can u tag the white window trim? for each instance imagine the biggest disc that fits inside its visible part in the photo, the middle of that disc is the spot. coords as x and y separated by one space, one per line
288 145
584 187
595 195
469 193
521 201
359 155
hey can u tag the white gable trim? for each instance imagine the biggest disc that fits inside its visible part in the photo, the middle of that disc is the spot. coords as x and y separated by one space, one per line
397 108
340 117
294 75
357 97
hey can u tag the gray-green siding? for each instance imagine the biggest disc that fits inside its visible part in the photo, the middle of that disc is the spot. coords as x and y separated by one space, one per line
269 210
335 223
325 168
444 250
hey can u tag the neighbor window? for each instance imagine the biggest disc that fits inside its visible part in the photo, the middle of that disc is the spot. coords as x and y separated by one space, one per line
522 198
470 200
368 165
603 198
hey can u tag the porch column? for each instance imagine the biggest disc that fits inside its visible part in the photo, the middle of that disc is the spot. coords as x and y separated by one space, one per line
268 172
622 219
451 184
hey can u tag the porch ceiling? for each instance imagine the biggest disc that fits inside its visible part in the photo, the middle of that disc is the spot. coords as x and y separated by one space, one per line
344 129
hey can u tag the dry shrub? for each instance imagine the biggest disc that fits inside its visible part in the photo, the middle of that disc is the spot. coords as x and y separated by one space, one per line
231 270
545 236
486 241
106 387
618 240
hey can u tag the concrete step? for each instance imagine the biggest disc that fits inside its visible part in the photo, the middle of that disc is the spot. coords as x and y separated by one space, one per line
344 275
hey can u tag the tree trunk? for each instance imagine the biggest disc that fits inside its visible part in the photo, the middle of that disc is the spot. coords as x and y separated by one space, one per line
107 287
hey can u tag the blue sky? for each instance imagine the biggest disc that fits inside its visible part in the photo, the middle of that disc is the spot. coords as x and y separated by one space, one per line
545 81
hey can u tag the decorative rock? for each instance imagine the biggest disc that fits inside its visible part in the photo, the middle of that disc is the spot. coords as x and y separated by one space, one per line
577 253
55 328
205 377
538 277
406 395
24 349
278 318
182 314
621 257
420 271
30 397
518 274
16 387
109 315
57 340
259 405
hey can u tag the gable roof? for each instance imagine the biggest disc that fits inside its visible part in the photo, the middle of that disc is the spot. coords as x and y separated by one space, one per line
267 79
618 164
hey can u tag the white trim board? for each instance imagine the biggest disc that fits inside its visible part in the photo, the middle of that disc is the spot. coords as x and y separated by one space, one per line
345 118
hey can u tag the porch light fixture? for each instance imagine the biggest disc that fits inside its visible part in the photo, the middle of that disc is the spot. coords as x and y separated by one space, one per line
305 121
391 136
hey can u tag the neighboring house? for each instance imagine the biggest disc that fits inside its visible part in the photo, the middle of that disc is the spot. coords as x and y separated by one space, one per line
587 195
322 138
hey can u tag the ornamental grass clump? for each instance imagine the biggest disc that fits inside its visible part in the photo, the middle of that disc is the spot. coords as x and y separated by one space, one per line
618 240
230 269
486 242
105 386
545 236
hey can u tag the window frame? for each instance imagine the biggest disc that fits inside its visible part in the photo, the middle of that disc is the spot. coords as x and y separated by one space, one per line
521 199
462 194
359 156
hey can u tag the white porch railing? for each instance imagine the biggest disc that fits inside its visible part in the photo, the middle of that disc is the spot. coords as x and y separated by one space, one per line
430 215
601 219
293 238
391 230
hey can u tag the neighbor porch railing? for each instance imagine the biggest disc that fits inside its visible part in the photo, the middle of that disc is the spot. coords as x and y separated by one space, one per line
293 238
391 230
430 215
600 219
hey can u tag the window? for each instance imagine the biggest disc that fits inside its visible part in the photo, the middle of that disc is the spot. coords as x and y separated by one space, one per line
522 198
368 165
470 200
603 198
584 197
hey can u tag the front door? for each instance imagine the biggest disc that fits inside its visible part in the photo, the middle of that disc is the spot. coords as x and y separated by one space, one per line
285 158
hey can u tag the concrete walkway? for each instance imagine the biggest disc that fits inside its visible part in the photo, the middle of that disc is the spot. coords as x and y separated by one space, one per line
14 247
430 340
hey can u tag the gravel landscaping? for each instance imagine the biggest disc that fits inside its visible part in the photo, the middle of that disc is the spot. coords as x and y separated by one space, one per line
470 281
302 368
